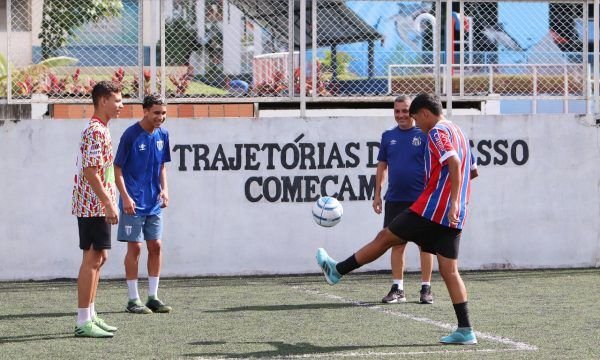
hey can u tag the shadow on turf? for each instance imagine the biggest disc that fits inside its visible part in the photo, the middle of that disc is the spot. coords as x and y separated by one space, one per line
33 337
36 315
282 307
285 349
48 315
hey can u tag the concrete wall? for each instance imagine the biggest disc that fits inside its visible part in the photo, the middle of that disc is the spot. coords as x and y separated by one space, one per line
535 204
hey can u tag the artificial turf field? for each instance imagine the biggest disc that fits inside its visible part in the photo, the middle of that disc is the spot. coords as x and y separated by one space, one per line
542 314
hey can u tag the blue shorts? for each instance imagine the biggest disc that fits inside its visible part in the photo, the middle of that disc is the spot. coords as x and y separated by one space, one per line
136 228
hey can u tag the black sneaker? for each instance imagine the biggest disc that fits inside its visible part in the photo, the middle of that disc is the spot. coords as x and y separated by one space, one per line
394 296
136 307
157 306
426 296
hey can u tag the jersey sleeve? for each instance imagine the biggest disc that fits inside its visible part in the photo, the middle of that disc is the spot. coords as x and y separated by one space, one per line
91 149
473 161
167 151
382 154
440 145
123 150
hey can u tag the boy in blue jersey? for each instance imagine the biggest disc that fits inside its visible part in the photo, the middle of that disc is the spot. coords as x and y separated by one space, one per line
402 154
141 178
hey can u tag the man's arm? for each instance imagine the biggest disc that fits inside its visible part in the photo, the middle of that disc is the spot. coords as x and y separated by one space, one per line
379 180
93 178
164 192
453 164
474 173
128 203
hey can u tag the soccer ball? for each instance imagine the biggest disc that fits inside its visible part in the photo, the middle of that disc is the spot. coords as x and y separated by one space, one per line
327 211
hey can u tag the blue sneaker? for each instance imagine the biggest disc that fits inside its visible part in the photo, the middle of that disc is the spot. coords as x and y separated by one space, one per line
327 264
462 336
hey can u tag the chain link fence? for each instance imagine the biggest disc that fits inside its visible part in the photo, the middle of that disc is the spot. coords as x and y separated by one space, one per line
58 49
250 50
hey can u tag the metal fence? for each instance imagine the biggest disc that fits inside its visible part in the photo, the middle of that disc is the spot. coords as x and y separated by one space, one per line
300 51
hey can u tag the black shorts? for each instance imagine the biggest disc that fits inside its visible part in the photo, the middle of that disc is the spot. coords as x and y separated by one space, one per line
430 236
93 231
393 209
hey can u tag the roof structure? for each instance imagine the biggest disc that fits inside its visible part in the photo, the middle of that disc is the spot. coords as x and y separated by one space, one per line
344 26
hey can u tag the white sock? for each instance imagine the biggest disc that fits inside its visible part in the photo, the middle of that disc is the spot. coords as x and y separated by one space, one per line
132 289
400 283
428 283
83 316
92 311
152 285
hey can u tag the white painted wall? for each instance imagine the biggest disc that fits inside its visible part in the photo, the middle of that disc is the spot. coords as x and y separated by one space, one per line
540 214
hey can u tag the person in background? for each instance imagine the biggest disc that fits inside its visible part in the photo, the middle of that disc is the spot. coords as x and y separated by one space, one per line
401 155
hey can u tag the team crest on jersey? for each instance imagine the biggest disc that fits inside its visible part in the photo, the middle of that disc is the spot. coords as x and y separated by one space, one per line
416 141
393 142
94 151
160 144
128 229
142 147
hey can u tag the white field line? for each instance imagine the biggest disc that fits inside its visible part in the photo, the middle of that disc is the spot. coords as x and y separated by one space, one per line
521 346
407 353
337 355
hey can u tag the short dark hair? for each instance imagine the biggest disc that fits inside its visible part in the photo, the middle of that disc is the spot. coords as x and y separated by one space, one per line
402 98
104 89
426 101
153 99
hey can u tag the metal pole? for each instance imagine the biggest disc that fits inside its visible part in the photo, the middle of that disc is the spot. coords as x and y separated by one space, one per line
302 58
163 66
437 45
596 62
371 60
565 89
8 65
154 11
535 91
390 80
141 80
449 60
491 79
461 54
291 43
585 51
314 49
471 51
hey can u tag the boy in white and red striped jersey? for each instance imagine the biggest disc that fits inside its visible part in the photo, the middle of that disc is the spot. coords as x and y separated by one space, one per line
94 204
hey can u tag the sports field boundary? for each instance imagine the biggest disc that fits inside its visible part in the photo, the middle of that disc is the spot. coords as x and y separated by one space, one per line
373 354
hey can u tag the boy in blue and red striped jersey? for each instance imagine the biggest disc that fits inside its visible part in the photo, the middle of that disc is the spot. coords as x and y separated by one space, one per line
435 220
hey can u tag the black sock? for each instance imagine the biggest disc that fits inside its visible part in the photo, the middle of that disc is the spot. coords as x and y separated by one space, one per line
462 314
347 265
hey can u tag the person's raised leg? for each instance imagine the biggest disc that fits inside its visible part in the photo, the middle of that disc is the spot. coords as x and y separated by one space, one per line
333 270
464 334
